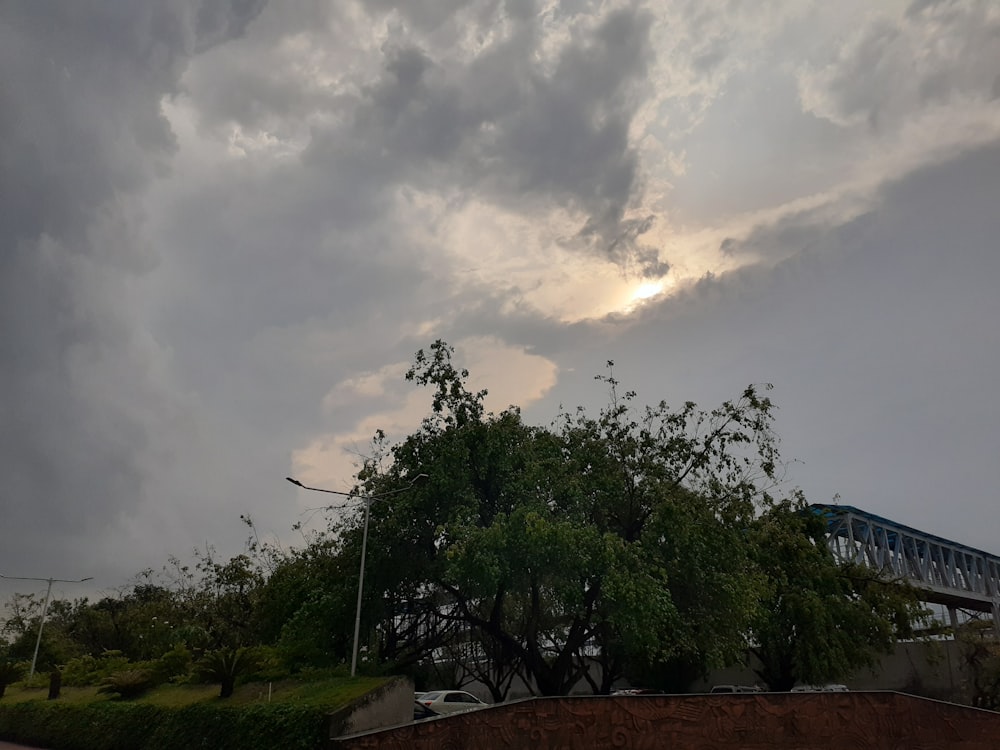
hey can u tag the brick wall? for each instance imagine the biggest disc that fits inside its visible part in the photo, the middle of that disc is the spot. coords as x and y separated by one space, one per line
761 721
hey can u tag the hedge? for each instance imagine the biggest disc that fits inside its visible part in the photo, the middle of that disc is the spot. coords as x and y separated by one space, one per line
136 726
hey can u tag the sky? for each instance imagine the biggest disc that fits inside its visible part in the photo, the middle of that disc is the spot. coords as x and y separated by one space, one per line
226 226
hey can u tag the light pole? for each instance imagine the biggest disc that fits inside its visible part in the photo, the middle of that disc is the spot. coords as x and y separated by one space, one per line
45 608
364 547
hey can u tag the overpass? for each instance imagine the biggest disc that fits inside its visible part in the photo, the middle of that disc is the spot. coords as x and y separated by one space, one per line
945 572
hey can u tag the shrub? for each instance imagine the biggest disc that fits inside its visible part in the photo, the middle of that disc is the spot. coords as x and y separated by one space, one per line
225 665
10 671
129 683
114 725
268 666
83 670
90 670
176 663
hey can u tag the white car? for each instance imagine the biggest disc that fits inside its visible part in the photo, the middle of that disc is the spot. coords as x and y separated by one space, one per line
450 701
735 689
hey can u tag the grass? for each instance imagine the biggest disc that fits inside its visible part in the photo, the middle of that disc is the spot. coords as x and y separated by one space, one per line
78 695
329 692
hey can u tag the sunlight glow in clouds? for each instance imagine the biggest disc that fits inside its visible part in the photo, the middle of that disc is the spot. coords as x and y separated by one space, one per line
648 290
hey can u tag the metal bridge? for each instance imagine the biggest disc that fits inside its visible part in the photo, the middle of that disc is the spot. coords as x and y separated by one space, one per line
945 572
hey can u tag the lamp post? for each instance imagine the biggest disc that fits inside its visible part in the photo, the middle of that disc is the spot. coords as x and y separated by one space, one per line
45 608
364 547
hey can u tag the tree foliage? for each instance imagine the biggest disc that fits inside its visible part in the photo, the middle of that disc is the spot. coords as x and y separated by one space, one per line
648 542
600 539
208 605
10 671
820 620
980 651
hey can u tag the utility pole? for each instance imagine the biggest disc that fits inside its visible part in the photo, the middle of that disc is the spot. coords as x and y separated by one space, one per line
45 608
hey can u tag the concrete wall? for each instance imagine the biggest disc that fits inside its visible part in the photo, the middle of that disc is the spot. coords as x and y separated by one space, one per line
932 669
389 705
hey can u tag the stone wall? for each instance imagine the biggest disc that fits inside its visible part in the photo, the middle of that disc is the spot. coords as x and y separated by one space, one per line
752 721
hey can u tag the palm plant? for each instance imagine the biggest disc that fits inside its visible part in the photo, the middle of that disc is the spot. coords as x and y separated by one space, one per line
225 665
128 683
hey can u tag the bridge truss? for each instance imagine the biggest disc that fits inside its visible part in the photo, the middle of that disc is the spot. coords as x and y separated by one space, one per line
946 572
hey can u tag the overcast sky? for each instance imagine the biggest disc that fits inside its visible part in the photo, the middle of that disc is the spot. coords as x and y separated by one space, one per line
226 226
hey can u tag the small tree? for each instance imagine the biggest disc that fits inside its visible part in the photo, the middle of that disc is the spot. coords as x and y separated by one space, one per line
128 683
225 665
981 657
10 672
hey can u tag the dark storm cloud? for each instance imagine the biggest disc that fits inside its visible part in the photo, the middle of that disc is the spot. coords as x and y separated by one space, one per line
510 126
941 52
527 129
81 131
217 21
425 15
568 136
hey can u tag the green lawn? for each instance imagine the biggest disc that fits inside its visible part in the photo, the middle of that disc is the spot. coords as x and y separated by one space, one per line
329 692
292 713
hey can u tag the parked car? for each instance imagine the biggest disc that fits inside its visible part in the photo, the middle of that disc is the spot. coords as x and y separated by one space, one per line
735 689
635 691
420 711
831 688
450 701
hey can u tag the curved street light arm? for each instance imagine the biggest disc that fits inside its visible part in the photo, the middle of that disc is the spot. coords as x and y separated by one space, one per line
300 485
364 547
54 580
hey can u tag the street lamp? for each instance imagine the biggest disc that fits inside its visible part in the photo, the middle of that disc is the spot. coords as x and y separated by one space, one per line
45 608
364 547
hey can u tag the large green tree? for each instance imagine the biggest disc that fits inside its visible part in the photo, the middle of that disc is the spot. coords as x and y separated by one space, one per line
603 540
821 620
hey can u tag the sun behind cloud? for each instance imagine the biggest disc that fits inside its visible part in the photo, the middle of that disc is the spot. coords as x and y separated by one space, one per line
648 290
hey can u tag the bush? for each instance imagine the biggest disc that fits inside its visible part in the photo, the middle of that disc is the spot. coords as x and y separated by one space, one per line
226 665
174 664
134 726
268 666
10 671
89 670
81 671
129 683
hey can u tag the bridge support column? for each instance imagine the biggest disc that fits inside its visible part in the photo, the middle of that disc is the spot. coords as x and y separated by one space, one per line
953 618
996 618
